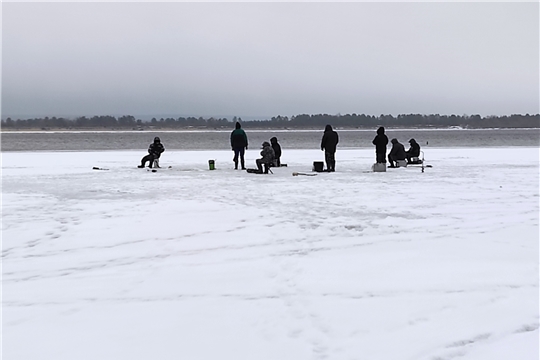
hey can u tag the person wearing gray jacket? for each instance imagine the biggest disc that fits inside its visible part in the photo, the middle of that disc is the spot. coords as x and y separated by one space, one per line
267 159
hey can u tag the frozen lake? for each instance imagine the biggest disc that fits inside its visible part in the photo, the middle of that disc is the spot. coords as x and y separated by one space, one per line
188 263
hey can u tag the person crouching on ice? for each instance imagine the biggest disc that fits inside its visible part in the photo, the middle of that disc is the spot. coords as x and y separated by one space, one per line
267 159
154 152
396 153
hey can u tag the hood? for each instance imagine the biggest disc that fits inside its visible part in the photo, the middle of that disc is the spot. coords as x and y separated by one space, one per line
412 141
273 140
328 128
238 125
156 139
380 131
265 144
394 141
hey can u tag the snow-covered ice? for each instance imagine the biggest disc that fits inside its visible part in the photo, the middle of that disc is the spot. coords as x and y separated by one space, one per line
188 263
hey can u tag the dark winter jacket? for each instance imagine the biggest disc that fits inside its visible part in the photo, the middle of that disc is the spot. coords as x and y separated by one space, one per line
329 140
398 151
267 153
414 150
380 141
156 148
239 138
276 147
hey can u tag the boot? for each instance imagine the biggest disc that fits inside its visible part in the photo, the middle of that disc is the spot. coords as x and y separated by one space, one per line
242 163
236 165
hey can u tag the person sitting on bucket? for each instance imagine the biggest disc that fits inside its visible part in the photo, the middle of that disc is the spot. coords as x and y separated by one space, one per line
268 155
396 153
277 151
154 152
413 152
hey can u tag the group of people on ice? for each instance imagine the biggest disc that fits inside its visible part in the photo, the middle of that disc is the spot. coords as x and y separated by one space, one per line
271 151
330 140
397 153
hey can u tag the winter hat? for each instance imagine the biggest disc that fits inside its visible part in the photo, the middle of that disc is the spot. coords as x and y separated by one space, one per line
266 143
394 141
156 139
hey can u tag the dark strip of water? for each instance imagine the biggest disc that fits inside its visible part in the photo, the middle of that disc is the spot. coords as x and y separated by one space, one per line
291 139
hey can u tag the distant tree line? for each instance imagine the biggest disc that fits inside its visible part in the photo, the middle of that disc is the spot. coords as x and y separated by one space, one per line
294 122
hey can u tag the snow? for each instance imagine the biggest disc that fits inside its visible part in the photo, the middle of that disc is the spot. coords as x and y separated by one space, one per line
187 263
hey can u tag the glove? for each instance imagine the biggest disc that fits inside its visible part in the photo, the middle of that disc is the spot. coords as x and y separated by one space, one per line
246 147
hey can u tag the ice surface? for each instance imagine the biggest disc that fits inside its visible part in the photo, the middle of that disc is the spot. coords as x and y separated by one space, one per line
187 263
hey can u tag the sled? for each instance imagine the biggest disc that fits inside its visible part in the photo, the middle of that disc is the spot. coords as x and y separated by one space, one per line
417 161
254 171
160 169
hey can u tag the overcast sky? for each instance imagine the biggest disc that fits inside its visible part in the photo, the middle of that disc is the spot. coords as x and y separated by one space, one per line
268 59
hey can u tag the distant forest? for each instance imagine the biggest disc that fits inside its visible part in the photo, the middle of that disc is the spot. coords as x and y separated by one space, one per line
302 121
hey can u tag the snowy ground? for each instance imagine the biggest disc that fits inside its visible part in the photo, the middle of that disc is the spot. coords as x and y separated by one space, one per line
188 263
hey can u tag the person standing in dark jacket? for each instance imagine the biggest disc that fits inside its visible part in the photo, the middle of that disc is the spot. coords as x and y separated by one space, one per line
154 152
277 151
239 143
380 142
396 153
329 143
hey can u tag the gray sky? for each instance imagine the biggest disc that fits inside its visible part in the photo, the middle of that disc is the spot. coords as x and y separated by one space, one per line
268 59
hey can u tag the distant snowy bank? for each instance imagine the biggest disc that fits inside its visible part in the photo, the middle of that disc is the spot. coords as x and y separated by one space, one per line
228 130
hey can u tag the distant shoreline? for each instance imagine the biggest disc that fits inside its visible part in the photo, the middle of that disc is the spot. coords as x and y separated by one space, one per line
255 129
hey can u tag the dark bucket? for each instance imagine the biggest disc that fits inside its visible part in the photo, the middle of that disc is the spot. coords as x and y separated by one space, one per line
211 164
318 166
